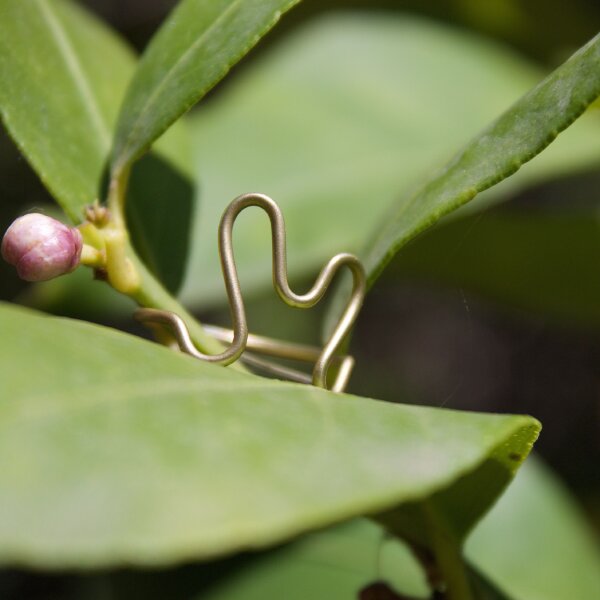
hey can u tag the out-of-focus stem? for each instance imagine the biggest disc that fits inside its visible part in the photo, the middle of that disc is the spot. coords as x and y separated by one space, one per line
448 558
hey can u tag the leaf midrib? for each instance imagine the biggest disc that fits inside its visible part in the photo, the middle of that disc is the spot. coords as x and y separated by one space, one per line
74 68
159 88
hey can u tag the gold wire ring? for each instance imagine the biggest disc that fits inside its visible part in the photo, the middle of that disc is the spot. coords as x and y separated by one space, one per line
324 357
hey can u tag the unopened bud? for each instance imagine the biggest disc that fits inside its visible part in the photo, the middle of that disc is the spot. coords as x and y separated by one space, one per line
41 247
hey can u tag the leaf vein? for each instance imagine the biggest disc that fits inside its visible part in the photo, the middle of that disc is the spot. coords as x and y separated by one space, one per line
168 76
74 67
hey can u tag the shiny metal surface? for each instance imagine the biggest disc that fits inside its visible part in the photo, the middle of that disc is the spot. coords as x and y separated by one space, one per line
239 338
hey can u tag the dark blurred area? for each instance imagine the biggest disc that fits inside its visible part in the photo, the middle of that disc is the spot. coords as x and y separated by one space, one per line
443 346
513 21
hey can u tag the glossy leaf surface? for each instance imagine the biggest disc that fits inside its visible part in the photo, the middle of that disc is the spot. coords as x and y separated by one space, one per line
198 43
162 458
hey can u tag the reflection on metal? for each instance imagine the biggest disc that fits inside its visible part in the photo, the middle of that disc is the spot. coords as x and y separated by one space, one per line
239 340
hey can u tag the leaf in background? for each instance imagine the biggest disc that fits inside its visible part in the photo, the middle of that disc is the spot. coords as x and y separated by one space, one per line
160 207
339 119
199 42
536 543
336 563
483 588
545 263
512 140
121 451
63 76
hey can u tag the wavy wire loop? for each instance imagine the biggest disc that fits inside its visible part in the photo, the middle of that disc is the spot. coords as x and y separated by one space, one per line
242 340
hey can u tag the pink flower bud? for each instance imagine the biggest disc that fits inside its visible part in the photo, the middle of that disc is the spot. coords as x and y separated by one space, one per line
41 247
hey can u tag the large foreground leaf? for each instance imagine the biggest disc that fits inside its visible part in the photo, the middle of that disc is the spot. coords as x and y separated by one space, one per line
200 41
515 138
520 545
113 450
337 121
63 77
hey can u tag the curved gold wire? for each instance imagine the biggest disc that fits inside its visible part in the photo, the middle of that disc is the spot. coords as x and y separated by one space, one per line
324 357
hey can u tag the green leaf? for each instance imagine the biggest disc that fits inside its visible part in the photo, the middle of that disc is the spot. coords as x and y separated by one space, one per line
516 137
483 588
63 77
160 207
336 121
543 263
330 564
200 41
121 451
535 542
441 523
521 544
336 563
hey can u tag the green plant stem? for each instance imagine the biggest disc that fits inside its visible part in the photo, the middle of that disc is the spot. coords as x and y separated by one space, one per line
117 191
151 294
448 558
148 292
